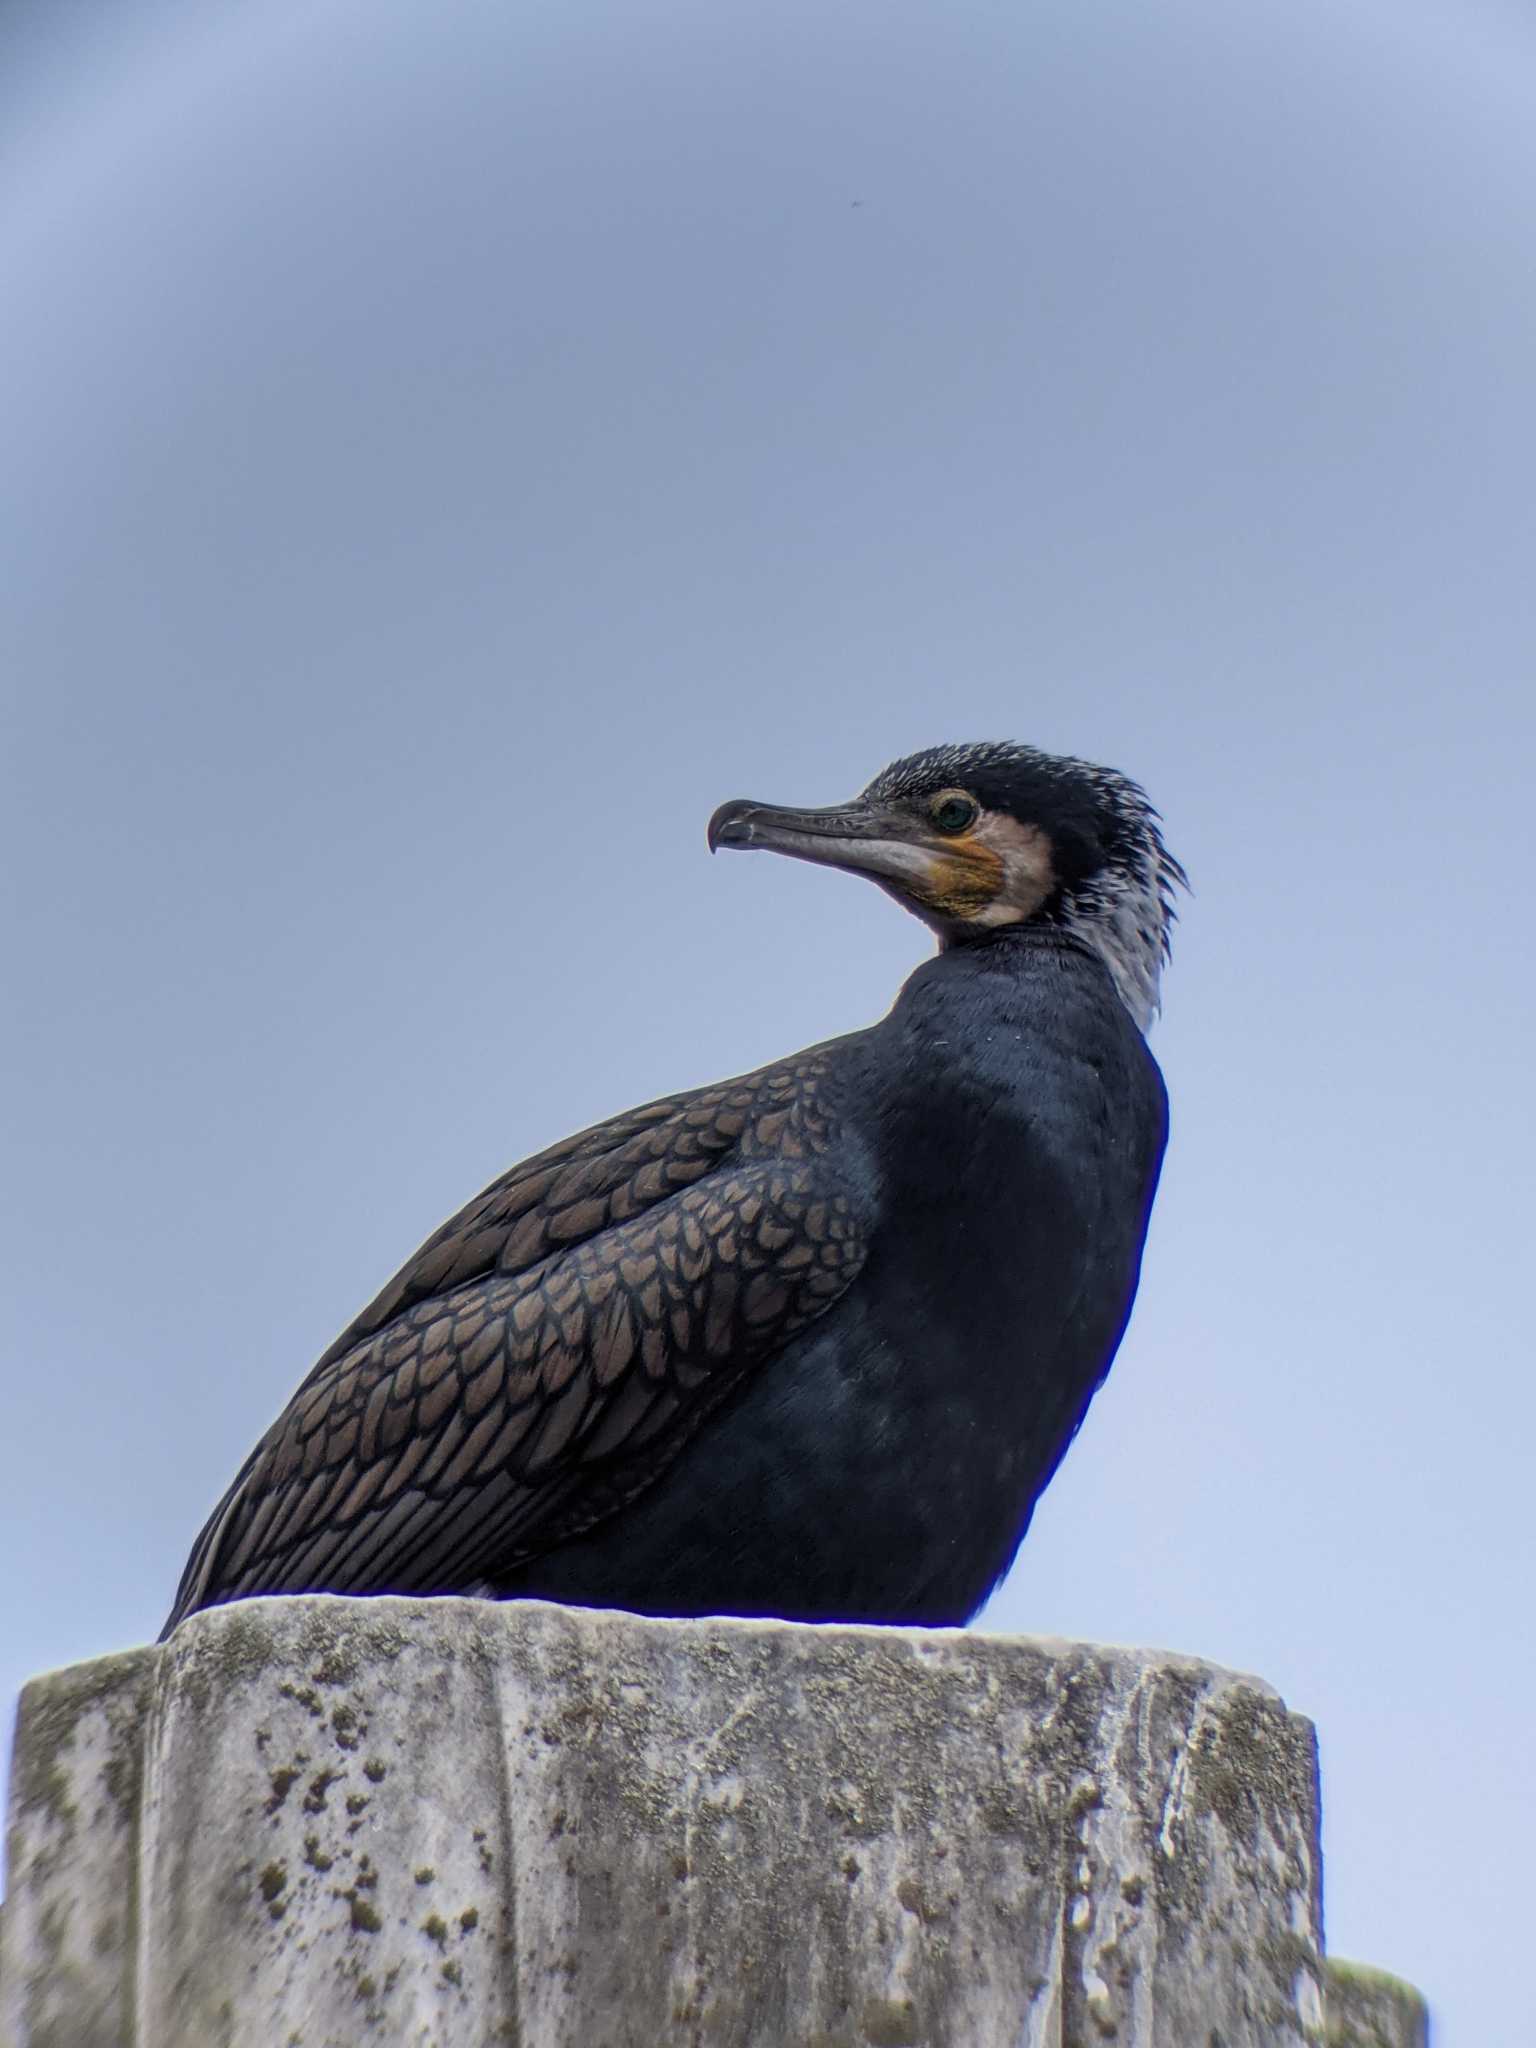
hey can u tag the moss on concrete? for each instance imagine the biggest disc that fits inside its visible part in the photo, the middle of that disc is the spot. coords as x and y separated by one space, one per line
1369 2008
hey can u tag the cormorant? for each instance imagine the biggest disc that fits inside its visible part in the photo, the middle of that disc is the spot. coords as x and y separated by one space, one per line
806 1343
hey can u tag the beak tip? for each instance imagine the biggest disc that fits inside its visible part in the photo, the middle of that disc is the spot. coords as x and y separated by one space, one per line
729 826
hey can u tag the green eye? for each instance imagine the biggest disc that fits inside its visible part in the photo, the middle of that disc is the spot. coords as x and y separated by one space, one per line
954 813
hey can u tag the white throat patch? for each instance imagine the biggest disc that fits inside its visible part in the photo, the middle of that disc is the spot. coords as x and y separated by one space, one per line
1124 918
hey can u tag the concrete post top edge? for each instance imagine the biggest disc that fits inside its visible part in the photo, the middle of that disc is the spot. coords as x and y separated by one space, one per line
380 1613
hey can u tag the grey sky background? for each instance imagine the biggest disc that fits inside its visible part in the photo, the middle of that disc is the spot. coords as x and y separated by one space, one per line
445 451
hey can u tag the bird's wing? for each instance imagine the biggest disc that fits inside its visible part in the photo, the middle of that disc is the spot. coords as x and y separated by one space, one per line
547 1352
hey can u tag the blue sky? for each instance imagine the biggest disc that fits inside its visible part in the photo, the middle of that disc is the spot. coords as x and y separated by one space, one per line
444 457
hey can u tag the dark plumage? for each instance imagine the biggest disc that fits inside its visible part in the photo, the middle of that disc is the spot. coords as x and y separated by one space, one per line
810 1342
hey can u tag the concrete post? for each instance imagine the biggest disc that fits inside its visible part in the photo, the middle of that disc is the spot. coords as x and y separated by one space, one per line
317 1823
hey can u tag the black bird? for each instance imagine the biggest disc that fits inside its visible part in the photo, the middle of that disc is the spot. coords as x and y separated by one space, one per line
807 1343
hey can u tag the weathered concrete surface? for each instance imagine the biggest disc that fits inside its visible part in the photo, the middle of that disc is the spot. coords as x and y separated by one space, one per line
1369 2009
323 1823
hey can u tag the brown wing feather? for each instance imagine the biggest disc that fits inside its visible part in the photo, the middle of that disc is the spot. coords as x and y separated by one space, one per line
547 1352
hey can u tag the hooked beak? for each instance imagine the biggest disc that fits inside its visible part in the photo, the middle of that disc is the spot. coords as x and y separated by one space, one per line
888 846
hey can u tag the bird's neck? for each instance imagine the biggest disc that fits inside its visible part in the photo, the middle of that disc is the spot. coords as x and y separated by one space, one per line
1125 928
1121 916
1117 934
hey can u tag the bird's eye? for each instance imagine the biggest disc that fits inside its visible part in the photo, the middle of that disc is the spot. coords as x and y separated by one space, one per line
954 812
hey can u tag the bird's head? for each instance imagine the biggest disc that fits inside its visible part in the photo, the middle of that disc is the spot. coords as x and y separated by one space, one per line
974 838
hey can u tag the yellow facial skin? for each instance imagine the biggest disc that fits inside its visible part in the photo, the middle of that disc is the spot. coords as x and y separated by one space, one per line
998 871
963 880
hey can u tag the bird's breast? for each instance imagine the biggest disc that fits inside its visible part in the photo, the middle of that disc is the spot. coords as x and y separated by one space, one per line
1018 1146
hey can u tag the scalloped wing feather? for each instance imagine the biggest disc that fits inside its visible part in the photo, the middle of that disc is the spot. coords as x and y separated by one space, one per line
547 1352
